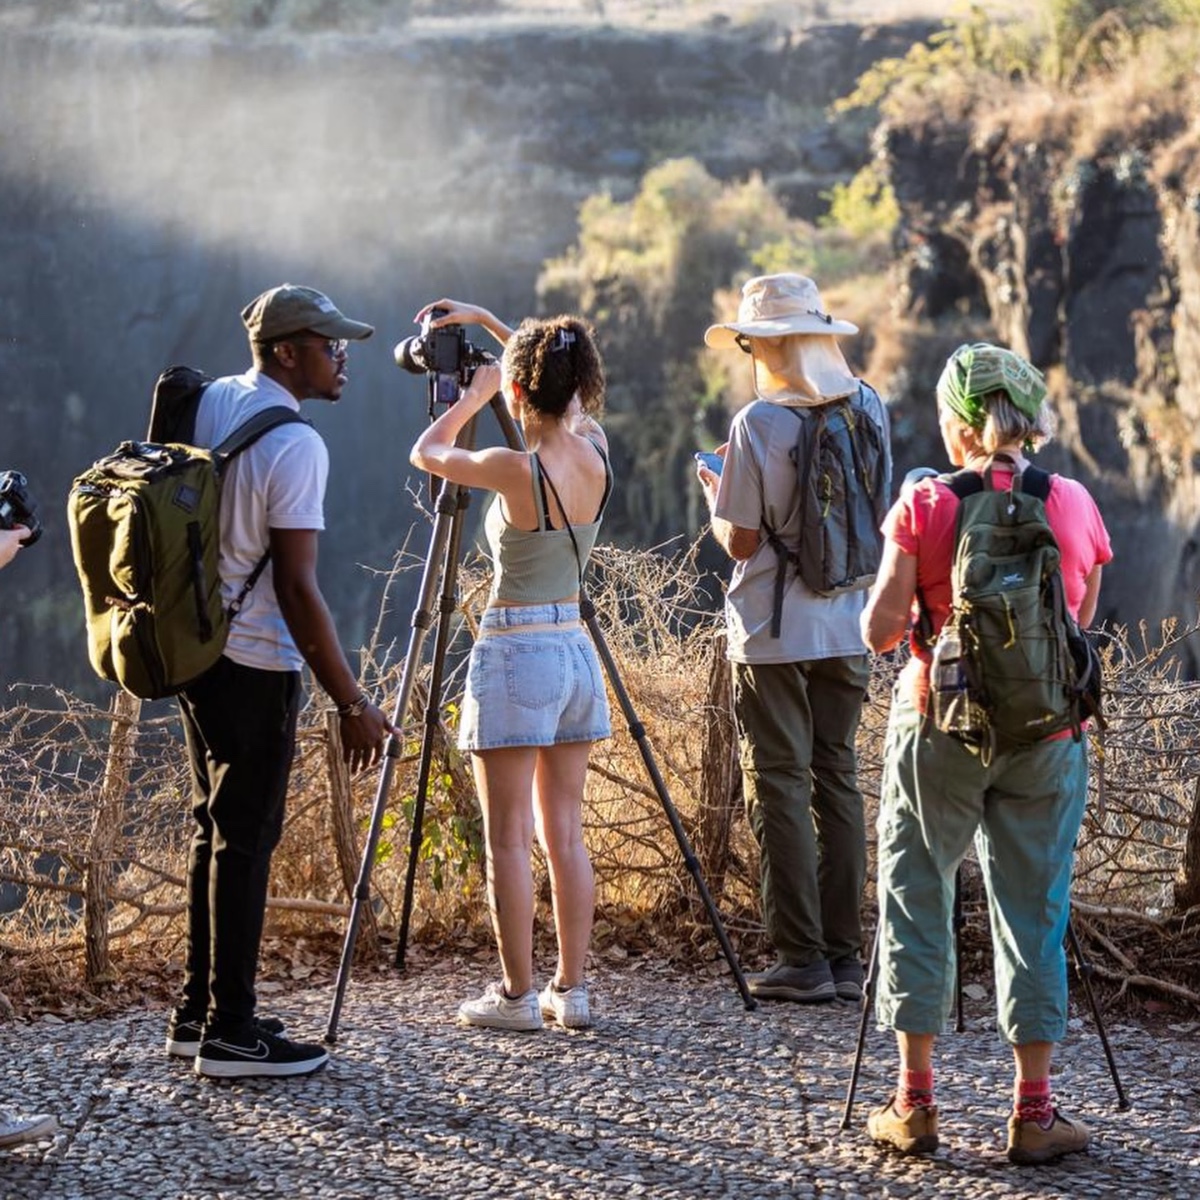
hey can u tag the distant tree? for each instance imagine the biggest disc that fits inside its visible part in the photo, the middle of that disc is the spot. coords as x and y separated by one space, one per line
646 273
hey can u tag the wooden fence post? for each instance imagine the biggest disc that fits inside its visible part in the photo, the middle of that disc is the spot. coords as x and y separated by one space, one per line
719 776
106 828
341 819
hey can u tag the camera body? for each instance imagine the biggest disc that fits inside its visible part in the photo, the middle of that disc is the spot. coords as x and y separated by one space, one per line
444 354
17 506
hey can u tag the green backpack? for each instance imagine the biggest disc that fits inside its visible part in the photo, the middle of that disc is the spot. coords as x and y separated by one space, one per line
145 536
1010 666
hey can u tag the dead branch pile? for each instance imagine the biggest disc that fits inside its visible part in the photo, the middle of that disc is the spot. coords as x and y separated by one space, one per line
94 821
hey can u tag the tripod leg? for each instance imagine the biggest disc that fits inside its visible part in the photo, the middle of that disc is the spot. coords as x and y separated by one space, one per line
447 510
867 1001
588 612
1085 970
432 711
959 922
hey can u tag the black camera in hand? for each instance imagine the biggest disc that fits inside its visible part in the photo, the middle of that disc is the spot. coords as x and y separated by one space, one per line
444 354
17 506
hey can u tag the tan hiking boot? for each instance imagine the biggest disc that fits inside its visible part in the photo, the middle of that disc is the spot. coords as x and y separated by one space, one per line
1030 1144
913 1133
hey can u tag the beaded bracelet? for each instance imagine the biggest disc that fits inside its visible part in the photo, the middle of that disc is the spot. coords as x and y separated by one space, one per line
356 707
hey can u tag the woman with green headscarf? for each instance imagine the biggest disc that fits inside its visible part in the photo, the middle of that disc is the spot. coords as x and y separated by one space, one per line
1023 807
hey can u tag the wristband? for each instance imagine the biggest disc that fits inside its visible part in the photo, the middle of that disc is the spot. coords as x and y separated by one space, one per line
356 707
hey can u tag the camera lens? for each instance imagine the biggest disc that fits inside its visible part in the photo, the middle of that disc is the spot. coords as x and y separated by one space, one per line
410 355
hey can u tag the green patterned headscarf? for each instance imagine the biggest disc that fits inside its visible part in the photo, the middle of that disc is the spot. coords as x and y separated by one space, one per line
973 371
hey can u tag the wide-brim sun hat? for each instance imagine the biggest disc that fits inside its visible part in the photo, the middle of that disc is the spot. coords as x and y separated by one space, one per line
777 306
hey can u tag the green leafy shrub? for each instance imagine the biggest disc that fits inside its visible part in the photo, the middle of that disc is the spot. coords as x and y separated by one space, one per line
865 207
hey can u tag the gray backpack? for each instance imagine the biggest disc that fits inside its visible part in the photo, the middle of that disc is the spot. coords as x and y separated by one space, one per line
844 473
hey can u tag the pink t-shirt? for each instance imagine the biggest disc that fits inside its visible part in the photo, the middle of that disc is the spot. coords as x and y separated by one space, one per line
922 523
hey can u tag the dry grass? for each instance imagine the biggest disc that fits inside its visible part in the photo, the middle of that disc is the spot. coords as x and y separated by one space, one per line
54 751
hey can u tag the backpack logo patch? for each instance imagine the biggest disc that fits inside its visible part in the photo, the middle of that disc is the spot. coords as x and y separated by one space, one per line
186 497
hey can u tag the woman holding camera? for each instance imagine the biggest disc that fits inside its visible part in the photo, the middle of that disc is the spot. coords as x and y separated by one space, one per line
535 697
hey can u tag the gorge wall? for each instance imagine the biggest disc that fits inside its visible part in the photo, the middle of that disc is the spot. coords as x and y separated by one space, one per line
153 181
1085 261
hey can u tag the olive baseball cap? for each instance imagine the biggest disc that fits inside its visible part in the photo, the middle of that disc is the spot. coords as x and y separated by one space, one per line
289 308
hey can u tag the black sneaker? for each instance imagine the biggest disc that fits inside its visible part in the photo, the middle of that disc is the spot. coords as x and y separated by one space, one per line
254 1051
183 1032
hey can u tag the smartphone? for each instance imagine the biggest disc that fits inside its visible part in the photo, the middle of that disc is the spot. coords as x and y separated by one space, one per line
714 462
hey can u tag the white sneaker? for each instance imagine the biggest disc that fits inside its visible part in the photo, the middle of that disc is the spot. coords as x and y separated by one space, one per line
569 1008
17 1129
495 1010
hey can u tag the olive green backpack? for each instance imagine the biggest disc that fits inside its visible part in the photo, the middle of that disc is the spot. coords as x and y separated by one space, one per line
1010 666
145 537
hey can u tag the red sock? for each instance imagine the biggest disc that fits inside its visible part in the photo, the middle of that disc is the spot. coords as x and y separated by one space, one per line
915 1091
1035 1101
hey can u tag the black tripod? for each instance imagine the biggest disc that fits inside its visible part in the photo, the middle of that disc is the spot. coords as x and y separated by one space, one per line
1082 966
442 562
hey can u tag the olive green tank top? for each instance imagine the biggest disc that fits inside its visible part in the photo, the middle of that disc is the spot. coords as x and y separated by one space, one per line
539 566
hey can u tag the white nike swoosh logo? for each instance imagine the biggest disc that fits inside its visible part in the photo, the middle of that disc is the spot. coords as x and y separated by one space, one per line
261 1049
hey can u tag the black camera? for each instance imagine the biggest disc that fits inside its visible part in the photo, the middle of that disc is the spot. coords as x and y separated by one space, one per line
444 355
17 506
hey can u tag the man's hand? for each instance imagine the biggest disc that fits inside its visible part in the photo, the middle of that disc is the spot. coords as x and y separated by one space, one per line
363 737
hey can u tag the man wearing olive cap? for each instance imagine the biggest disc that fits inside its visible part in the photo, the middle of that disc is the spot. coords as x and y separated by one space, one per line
240 716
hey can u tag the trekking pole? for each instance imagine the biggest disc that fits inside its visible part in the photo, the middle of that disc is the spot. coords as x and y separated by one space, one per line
959 923
868 997
1085 969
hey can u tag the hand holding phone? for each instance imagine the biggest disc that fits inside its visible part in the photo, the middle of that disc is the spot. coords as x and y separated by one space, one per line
714 462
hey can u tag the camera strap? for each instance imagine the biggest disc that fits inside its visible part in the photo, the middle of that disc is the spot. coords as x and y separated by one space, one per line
566 522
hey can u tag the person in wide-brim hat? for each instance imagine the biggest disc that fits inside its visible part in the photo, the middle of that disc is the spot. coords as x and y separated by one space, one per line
782 322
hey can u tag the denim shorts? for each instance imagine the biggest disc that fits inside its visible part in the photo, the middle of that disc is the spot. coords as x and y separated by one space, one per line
533 680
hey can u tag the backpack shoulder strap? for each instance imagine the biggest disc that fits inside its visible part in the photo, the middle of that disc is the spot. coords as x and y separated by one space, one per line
1036 482
250 430
244 436
963 483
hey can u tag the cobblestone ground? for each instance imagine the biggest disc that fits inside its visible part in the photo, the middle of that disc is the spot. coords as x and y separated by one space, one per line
677 1091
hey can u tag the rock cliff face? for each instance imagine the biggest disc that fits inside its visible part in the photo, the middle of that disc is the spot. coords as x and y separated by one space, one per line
153 182
1088 265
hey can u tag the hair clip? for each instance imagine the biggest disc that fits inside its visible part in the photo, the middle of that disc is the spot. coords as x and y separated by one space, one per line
562 339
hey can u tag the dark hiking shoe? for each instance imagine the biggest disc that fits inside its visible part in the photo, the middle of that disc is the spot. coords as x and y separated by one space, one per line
183 1032
253 1051
812 984
913 1133
1030 1143
848 978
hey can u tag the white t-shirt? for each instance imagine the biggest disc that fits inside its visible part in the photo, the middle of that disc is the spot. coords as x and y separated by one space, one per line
278 483
758 485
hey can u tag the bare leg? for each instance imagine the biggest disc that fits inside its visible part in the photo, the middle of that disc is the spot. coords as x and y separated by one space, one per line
916 1051
504 780
1032 1060
558 801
